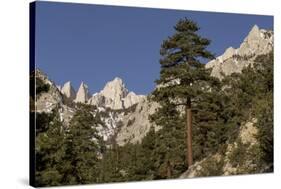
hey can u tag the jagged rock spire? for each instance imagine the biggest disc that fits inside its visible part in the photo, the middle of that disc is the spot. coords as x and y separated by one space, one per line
115 95
68 91
115 89
254 34
82 95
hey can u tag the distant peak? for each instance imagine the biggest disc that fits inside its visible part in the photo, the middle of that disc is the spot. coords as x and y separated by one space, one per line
83 85
68 90
117 82
68 83
82 93
254 33
255 28
117 79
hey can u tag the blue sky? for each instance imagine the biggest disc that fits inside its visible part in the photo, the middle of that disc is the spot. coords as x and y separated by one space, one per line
95 44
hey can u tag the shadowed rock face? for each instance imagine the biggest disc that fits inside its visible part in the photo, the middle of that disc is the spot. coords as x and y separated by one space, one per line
136 123
258 42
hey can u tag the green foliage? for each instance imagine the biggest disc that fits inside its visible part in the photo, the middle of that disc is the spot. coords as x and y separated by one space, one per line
211 167
265 125
170 141
238 155
182 75
263 109
186 83
210 129
82 147
251 95
66 156
49 149
246 158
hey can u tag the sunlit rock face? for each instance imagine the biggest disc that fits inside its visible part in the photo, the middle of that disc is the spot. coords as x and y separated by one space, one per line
115 95
82 95
257 42
68 91
47 101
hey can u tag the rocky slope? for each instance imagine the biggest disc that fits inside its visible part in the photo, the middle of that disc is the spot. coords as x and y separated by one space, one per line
239 157
46 102
257 42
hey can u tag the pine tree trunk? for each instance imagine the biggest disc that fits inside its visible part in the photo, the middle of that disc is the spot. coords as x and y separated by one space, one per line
189 135
117 156
169 172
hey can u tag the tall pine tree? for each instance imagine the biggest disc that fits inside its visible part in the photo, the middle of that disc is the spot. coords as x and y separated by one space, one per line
183 78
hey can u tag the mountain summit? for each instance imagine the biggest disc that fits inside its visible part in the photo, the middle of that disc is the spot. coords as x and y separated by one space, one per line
115 95
82 95
115 89
68 91
257 42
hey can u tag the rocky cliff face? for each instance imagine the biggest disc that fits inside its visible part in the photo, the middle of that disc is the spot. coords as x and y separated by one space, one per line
136 122
258 41
46 102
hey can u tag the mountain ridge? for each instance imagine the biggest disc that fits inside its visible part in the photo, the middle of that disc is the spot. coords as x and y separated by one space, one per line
257 42
114 95
118 103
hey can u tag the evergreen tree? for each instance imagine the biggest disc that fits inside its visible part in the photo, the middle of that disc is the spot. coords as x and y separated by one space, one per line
170 145
83 146
251 95
49 149
183 78
264 107
210 128
144 168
